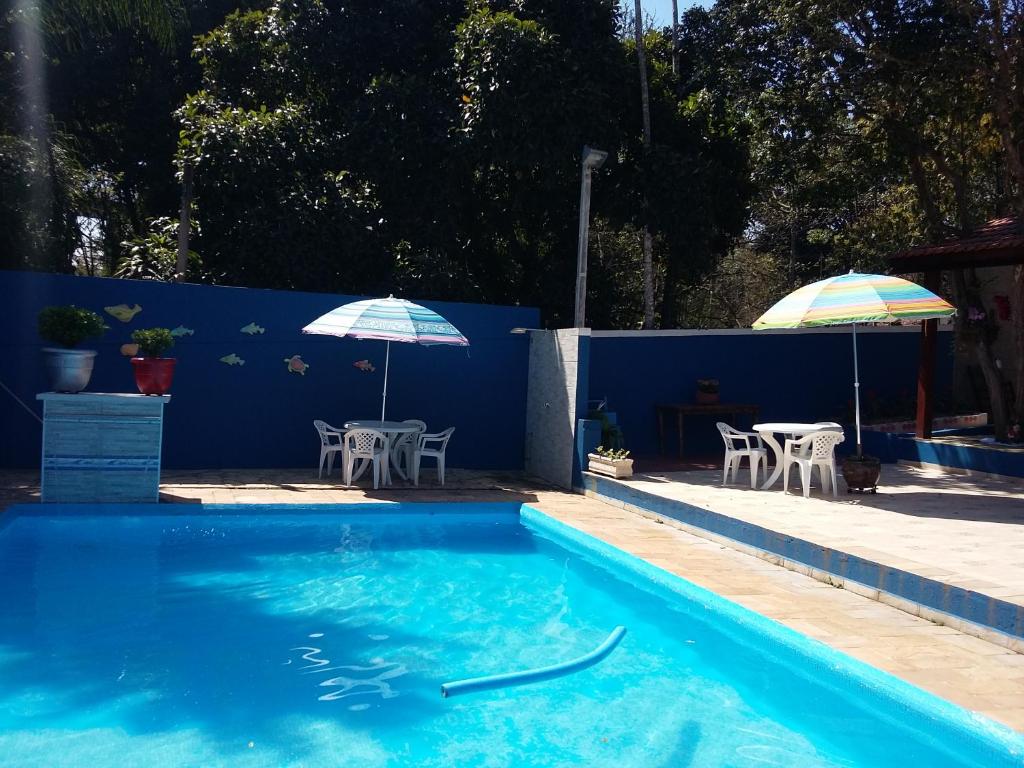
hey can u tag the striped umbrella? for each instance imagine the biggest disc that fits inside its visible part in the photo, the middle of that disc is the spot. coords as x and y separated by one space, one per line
388 320
851 299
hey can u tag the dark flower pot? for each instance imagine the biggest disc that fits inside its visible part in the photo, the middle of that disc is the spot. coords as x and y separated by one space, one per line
861 473
153 375
707 398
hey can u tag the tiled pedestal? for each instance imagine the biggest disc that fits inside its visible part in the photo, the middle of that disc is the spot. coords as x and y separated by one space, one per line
101 447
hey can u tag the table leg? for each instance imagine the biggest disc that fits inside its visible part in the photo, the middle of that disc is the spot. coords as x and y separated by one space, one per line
771 442
679 426
386 469
393 453
359 468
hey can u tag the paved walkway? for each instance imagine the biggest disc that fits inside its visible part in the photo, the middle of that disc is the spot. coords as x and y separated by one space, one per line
968 532
973 673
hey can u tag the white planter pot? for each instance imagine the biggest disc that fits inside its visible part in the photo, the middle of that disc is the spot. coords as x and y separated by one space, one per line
609 467
70 369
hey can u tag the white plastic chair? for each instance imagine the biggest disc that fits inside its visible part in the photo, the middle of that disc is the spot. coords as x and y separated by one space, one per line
431 445
738 445
815 449
824 425
368 444
331 442
405 446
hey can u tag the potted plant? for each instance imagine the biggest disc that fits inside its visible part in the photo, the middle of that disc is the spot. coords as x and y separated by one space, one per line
153 373
611 462
861 472
67 327
611 433
707 391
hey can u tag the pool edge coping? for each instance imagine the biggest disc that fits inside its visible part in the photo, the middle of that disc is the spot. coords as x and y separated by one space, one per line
891 687
797 554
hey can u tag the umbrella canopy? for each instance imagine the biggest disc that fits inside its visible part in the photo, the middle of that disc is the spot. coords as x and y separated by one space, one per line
851 299
855 298
388 320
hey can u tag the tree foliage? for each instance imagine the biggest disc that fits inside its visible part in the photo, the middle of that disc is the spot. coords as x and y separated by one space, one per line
432 148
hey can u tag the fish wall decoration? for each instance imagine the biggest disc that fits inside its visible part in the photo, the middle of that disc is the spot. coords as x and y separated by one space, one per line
180 331
123 312
232 359
252 329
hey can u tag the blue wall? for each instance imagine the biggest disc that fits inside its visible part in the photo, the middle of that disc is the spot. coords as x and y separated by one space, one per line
792 376
975 458
259 414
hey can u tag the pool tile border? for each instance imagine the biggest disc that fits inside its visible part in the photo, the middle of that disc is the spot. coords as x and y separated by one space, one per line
997 621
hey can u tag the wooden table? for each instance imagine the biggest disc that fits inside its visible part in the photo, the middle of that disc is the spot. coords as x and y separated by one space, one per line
682 410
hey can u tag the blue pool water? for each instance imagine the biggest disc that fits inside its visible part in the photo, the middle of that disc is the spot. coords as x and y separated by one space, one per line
319 639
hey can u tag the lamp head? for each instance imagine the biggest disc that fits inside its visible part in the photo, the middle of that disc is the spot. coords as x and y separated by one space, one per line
593 158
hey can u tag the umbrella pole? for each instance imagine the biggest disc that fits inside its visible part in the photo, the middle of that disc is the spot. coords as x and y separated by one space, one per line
856 388
384 398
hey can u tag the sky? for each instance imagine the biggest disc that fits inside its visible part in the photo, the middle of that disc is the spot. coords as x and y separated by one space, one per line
661 10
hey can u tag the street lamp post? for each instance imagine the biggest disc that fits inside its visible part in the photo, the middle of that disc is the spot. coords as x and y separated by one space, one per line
592 160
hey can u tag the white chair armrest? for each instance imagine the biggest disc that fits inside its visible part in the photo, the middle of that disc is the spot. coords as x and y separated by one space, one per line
735 435
430 438
800 442
441 438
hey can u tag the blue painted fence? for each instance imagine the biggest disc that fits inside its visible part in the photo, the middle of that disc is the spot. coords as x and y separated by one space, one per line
260 414
804 375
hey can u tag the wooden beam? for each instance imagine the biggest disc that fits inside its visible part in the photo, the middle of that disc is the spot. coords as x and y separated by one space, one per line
926 366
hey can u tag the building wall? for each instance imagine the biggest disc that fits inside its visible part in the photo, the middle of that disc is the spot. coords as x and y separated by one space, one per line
555 395
970 387
798 375
260 414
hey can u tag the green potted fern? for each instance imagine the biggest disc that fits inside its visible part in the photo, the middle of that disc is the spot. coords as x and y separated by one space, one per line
66 327
153 372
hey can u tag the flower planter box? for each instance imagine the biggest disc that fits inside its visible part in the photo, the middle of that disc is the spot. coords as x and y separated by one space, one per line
609 467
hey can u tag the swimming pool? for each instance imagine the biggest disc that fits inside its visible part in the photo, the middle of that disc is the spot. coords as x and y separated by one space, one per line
290 636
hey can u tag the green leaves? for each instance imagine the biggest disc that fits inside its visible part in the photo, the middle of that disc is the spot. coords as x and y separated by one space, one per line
153 342
69 326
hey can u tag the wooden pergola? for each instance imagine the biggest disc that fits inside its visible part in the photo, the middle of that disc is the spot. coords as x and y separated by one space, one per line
997 243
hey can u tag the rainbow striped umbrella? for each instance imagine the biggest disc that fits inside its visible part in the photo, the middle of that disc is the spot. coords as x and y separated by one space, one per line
851 299
388 320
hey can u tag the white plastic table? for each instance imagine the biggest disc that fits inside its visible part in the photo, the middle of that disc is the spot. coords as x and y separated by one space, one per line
391 430
769 429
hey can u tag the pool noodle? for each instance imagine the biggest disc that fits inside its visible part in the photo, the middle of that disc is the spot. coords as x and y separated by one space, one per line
536 675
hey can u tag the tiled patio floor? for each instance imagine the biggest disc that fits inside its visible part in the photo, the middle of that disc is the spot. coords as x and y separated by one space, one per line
968 532
971 672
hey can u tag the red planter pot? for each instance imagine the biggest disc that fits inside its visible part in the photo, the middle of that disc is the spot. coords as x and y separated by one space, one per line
153 374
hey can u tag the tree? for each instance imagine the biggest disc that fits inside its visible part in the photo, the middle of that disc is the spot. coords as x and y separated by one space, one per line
645 111
89 91
999 29
895 88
